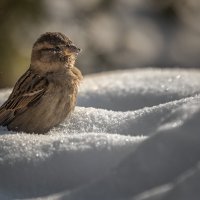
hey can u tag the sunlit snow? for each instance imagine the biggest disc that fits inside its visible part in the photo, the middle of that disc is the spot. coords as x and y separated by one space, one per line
134 135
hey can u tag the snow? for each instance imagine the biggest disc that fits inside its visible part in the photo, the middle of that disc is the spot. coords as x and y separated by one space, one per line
134 135
131 90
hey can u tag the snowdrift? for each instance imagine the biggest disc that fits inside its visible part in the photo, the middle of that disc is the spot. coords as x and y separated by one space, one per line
134 135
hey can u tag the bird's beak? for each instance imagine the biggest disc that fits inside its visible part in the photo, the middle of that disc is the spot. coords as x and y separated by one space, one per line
71 49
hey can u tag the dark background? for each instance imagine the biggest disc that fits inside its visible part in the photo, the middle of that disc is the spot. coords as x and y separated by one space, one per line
113 34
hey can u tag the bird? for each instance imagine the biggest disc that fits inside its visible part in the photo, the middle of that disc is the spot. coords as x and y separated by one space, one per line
45 95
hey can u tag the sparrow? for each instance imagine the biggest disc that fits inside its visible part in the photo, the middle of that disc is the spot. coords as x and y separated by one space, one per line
46 93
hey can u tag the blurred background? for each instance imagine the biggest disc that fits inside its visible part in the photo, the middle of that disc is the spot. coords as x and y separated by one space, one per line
113 34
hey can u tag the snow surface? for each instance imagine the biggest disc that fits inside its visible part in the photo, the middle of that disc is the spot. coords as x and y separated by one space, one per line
134 136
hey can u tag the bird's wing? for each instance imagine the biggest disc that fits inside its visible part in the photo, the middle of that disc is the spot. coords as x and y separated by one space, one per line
27 92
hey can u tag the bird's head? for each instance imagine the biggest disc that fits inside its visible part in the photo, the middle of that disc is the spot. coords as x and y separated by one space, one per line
53 51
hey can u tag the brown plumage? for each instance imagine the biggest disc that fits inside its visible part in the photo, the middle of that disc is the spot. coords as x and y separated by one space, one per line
46 93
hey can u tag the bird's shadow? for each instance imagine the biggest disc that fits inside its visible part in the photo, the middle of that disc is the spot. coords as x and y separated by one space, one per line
5 131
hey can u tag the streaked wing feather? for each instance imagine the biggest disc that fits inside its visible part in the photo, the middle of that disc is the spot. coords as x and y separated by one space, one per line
27 92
